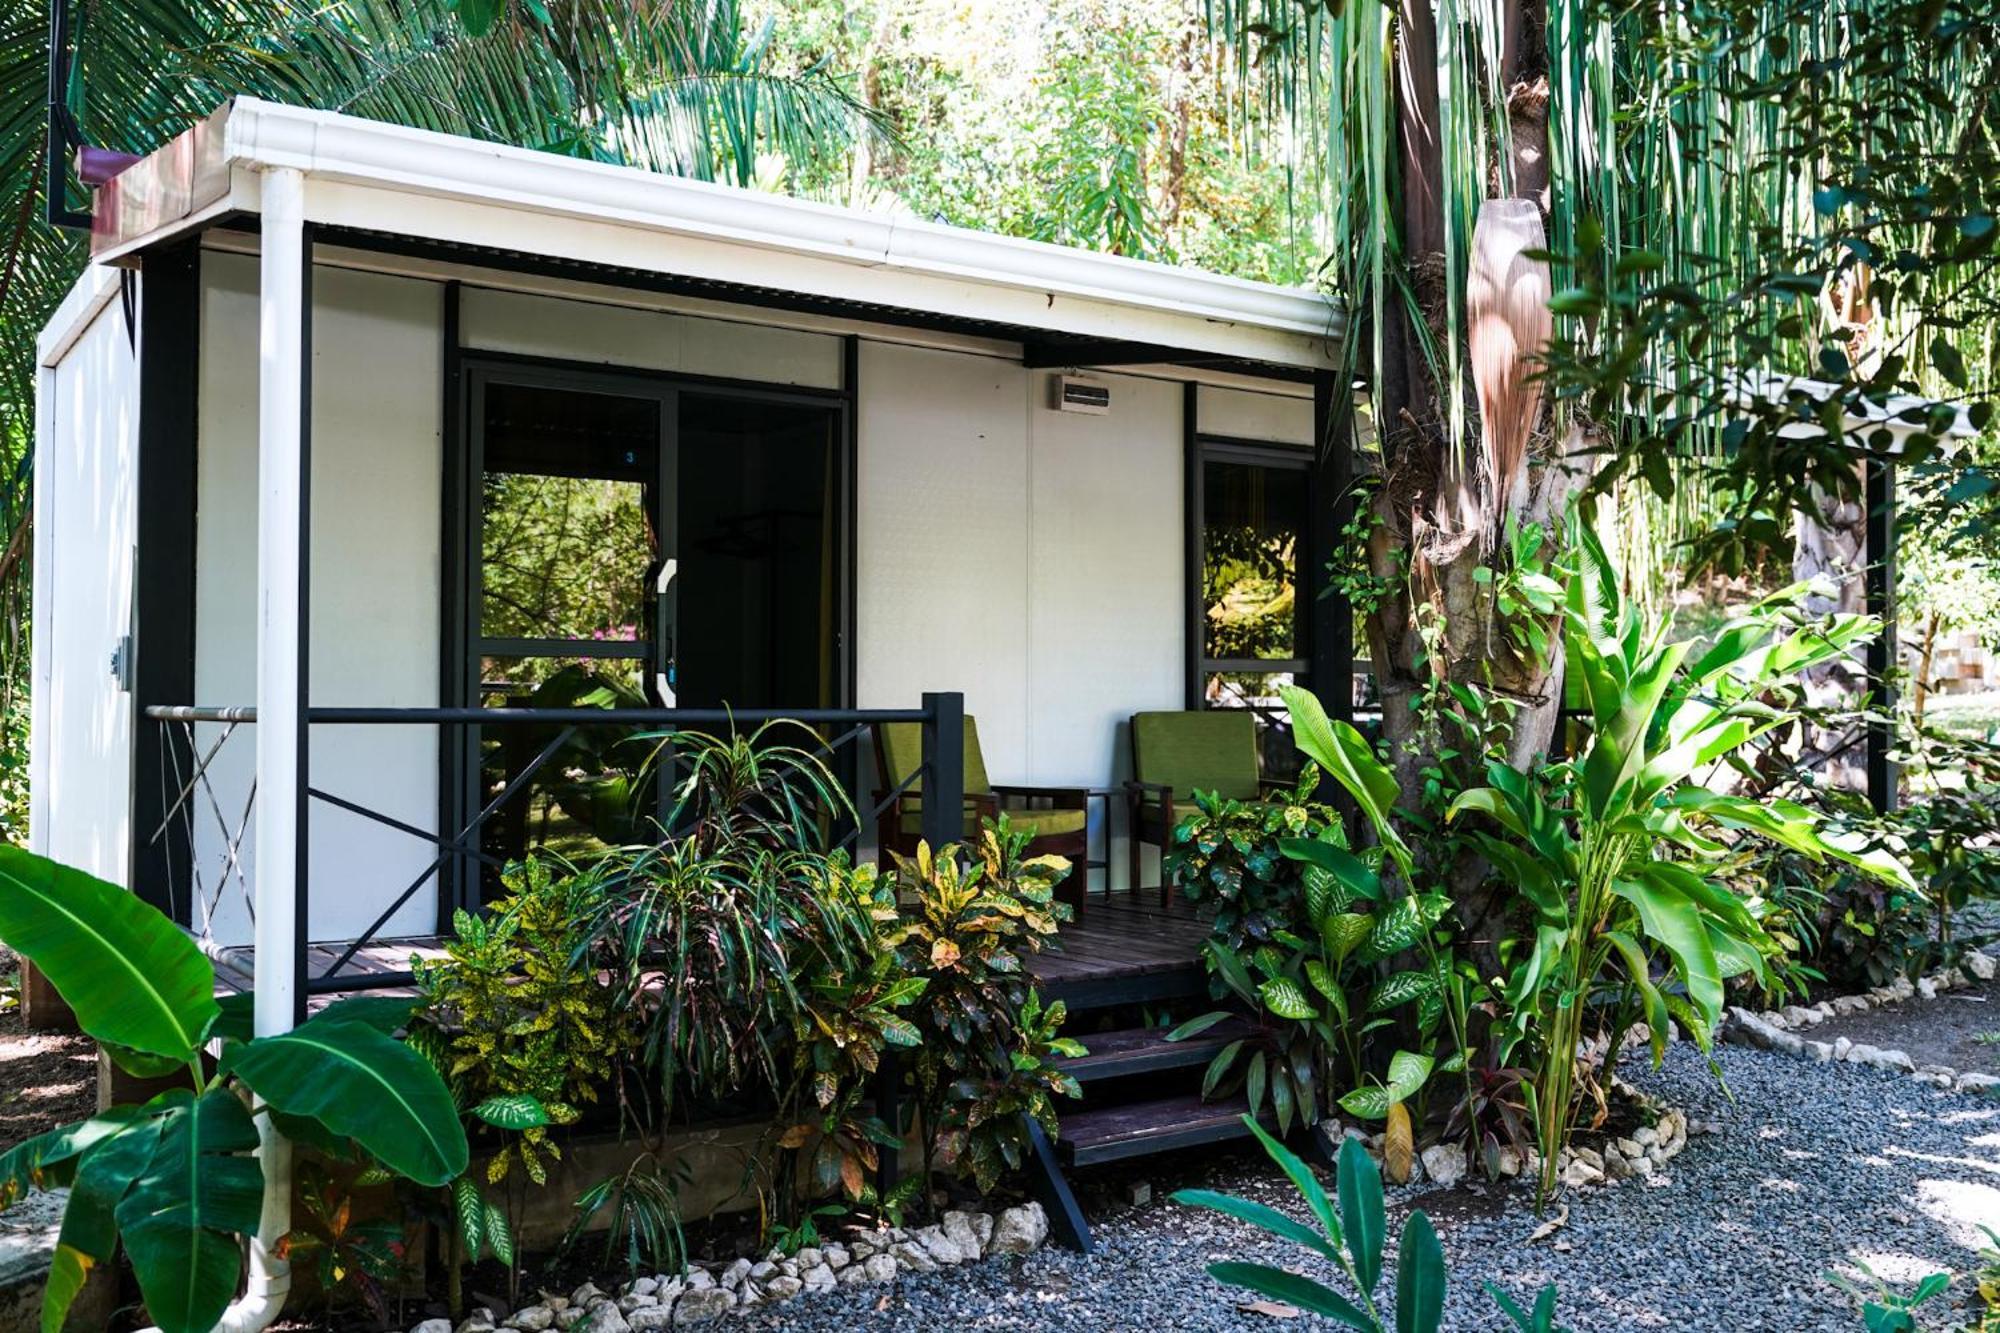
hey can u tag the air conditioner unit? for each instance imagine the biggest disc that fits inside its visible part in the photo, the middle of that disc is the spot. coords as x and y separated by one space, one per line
1073 393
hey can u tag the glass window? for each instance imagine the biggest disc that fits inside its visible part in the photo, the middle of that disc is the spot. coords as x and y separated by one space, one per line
1253 515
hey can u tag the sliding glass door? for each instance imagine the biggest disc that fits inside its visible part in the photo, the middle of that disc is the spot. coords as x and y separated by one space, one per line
627 542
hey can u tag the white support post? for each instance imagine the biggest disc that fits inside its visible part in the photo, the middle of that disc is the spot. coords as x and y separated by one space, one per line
281 532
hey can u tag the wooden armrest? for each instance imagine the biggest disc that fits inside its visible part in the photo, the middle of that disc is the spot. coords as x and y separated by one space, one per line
1160 791
1066 798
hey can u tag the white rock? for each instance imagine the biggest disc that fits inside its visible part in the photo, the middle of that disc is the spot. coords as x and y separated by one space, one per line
1444 1163
1820 1051
853 1275
736 1274
1973 1081
809 1257
1841 1046
433 1326
695 1307
1898 1060
534 1319
1019 1230
958 1227
943 1248
763 1270
1797 1017
604 1317
782 1288
643 1286
982 1227
1579 1173
837 1256
1508 1161
1861 1053
880 1268
912 1255
1982 965
585 1294
651 1319
630 1303
479 1321
1927 988
818 1278
1646 1136
700 1279
1774 1018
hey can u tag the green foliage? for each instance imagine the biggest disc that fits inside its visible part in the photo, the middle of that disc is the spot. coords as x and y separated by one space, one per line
849 1017
641 1211
1351 1239
989 1046
708 932
528 1034
344 1253
173 1180
1228 853
1614 852
1885 1310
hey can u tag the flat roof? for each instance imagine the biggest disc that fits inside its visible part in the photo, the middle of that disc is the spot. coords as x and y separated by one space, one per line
374 185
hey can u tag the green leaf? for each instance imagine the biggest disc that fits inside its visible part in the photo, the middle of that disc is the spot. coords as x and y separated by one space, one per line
1348 870
478 16
1260 1215
1369 1102
46 1161
1287 999
1670 918
69 1269
1254 1086
1341 934
1293 1290
1361 1212
182 1217
1400 988
1302 1178
1345 755
1194 1027
499 1237
469 1206
385 1013
1420 1277
363 1086
132 977
512 1110
1407 1072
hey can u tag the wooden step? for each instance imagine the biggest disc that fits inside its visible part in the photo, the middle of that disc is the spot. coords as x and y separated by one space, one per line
1140 1129
1147 1050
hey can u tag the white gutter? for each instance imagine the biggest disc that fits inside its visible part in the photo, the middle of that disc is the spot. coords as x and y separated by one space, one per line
1023 279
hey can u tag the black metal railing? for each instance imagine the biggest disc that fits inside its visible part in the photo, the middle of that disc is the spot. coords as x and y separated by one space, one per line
190 795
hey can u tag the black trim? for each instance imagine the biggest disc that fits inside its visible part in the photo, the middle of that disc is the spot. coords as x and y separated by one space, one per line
1879 583
1329 508
677 379
163 568
1191 546
1089 354
302 796
456 759
62 132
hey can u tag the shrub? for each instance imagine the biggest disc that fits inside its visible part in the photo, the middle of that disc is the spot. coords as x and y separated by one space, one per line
1228 853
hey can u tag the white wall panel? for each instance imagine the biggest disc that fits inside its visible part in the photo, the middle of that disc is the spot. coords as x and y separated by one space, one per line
377 466
611 335
1243 415
86 479
1105 576
942 541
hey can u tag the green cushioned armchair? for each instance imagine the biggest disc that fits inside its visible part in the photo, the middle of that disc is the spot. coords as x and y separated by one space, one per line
1176 754
1057 817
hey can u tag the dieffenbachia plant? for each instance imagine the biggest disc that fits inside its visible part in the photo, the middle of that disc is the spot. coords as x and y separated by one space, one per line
1611 850
174 1179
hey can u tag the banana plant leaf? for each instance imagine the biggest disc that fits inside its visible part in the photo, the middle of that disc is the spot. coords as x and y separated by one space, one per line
182 1217
131 976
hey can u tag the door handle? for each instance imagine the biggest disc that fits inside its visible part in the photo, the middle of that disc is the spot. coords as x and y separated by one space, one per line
663 631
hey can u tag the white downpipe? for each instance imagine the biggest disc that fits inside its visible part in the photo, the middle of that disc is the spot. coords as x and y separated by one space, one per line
280 487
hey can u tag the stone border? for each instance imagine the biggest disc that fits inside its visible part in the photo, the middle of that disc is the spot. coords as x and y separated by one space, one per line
705 1291
1778 1029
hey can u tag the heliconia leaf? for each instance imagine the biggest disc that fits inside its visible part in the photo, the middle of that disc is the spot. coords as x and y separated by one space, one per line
131 976
1260 1215
1420 1277
1347 758
1361 1212
1293 1289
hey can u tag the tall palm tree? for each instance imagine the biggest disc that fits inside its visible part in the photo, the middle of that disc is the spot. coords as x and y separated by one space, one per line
676 86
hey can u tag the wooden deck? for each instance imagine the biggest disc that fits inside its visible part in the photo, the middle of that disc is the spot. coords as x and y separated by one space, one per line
1122 951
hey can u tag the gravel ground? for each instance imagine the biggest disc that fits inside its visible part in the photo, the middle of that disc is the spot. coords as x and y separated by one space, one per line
1815 1166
